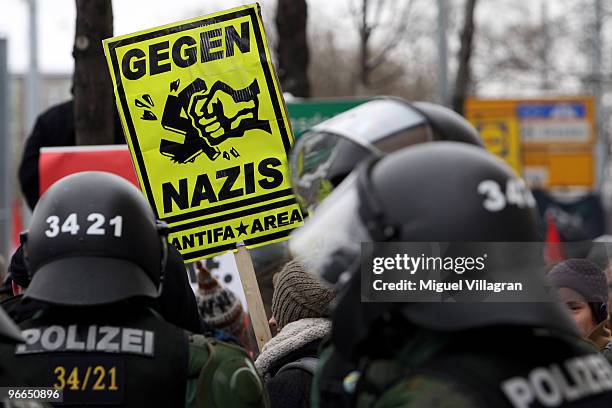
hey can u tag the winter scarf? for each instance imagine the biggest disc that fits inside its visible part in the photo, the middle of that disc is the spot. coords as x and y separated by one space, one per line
601 336
293 336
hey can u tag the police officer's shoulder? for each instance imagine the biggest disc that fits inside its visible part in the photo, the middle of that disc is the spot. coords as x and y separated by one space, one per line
224 375
425 390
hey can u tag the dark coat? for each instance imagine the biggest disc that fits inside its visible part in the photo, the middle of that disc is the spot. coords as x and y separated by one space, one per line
53 128
291 387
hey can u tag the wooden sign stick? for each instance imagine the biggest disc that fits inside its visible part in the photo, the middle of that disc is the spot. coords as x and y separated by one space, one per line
252 295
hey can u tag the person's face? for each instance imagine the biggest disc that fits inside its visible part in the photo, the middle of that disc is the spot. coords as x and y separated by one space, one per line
579 310
273 325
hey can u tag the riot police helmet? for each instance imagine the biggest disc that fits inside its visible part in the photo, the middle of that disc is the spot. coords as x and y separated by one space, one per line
437 192
94 240
326 154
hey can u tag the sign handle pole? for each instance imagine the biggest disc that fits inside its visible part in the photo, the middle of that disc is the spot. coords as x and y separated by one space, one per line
252 295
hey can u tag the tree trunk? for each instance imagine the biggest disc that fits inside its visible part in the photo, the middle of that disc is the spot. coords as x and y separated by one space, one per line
463 79
292 49
93 90
364 39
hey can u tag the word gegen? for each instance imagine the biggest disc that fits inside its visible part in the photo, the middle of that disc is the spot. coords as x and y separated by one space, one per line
162 56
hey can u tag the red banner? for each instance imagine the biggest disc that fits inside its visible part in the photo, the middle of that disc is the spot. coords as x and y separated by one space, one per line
58 162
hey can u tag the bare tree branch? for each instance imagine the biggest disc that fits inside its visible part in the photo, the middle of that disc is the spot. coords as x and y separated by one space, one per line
390 77
395 40
462 81
377 14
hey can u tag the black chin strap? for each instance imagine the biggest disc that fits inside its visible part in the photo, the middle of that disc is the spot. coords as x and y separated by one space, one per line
370 209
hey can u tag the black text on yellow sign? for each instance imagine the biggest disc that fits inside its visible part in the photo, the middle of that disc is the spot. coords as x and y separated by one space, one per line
208 130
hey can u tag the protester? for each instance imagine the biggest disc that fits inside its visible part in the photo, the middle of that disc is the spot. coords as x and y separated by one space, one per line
583 289
53 128
300 308
455 354
97 257
218 306
601 255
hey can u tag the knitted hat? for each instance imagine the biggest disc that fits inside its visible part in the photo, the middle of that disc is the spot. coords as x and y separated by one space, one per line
587 279
298 295
218 306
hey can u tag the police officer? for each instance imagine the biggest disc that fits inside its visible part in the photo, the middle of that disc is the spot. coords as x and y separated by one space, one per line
442 354
325 155
97 255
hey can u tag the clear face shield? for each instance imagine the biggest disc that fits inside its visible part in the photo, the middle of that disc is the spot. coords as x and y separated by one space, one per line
325 155
329 243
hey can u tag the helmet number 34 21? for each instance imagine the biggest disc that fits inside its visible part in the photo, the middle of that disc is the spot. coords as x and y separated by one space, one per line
496 199
96 225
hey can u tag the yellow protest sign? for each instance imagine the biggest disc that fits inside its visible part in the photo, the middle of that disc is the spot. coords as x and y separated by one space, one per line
208 130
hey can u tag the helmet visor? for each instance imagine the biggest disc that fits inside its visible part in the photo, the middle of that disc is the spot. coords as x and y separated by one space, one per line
329 243
324 156
319 163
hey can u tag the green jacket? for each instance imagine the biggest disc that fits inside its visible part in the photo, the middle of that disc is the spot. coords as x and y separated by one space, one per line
222 375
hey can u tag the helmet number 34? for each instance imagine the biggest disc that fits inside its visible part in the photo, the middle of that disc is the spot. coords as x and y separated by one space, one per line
96 225
496 199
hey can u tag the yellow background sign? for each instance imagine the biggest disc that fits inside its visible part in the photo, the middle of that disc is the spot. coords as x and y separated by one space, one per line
208 131
559 168
549 140
500 136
